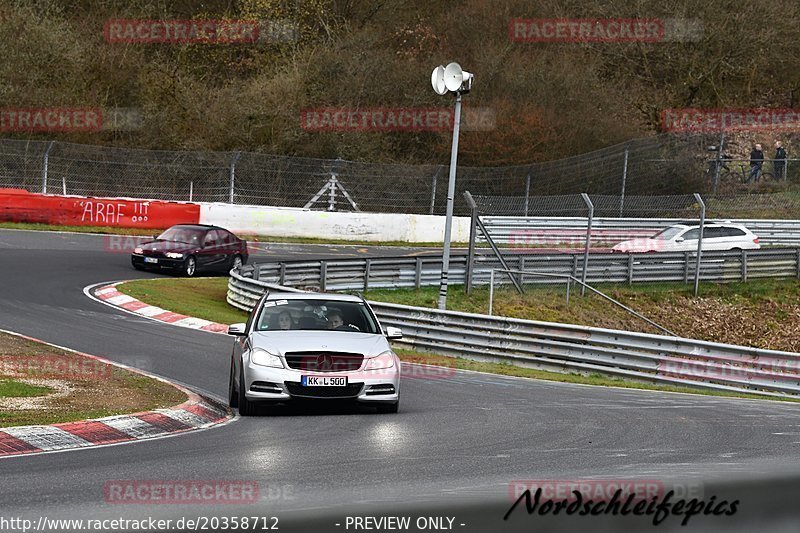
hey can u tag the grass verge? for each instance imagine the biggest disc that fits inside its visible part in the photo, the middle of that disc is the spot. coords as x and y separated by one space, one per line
205 298
30 371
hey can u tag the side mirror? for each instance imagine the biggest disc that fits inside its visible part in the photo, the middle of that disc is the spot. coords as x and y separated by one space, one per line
237 330
394 333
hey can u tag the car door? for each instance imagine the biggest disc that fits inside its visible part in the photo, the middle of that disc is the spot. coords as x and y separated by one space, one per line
208 258
689 242
714 238
228 247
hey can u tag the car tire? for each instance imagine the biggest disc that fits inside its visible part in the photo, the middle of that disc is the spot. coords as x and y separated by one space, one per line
237 261
189 267
233 394
246 407
386 408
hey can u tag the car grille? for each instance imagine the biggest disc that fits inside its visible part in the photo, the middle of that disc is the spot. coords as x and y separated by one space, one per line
153 253
324 361
351 390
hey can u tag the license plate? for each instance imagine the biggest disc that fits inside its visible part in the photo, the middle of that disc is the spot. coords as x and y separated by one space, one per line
323 381
150 260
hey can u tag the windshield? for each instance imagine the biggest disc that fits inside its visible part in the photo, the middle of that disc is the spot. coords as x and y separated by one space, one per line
668 233
183 234
315 314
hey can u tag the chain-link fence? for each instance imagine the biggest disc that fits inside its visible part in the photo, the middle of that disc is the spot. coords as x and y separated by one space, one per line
656 166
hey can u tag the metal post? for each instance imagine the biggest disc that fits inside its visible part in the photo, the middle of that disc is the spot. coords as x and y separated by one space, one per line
191 190
630 269
332 195
624 179
527 190
719 161
63 186
323 276
367 268
491 289
744 265
699 242
433 188
589 206
568 290
236 156
282 278
473 233
418 274
44 166
451 191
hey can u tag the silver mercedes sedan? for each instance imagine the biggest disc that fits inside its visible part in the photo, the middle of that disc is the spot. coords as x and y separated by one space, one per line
313 346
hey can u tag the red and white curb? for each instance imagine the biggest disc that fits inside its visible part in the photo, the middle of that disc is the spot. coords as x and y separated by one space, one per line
110 295
195 413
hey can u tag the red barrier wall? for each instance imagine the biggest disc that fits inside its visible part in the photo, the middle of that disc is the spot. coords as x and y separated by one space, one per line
21 206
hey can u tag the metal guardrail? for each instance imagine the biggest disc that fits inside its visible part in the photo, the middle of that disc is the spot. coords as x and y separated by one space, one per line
415 272
572 348
531 231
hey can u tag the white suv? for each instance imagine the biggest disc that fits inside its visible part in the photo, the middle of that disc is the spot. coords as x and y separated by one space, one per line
683 238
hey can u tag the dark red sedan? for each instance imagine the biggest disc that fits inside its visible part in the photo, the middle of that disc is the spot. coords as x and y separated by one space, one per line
192 248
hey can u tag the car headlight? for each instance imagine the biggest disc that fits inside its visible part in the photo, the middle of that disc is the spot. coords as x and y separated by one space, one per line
174 255
384 360
264 358
138 251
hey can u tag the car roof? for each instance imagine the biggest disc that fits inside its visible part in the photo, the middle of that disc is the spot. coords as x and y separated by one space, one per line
313 296
711 225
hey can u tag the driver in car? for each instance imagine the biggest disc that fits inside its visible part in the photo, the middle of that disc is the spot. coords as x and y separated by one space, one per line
335 319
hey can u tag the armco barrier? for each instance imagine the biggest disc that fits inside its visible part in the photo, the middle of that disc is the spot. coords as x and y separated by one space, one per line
415 272
522 232
572 348
22 206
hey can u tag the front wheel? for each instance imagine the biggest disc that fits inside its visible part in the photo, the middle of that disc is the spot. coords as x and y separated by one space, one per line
233 395
190 266
246 407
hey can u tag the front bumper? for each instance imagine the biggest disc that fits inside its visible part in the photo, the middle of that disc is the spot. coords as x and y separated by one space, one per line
279 385
162 262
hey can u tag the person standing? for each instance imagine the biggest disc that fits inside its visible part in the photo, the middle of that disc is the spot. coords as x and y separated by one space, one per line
756 162
779 163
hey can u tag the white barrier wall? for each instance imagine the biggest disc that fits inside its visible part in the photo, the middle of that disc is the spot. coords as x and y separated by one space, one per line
291 222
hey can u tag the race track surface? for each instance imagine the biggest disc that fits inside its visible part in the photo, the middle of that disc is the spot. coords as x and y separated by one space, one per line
457 439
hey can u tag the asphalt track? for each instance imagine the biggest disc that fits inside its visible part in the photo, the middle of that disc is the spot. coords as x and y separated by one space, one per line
455 441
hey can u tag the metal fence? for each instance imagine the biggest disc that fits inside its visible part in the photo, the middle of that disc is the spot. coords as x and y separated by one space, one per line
416 272
571 348
659 165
